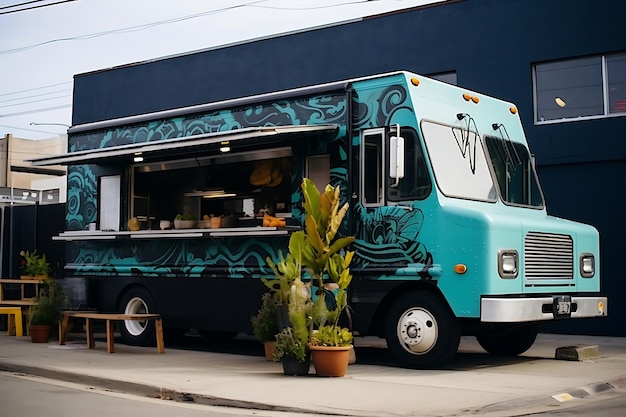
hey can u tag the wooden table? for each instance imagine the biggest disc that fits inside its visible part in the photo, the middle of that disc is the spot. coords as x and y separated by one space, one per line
22 301
110 319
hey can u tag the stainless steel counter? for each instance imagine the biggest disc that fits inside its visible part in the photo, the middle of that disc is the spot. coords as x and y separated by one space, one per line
222 232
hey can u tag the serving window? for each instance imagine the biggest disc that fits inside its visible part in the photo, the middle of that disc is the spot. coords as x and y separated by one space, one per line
237 186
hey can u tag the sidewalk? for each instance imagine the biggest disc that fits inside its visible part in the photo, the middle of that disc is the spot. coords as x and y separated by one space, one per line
474 383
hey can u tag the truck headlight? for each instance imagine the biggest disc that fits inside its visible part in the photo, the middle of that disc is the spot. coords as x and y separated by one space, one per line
507 263
587 265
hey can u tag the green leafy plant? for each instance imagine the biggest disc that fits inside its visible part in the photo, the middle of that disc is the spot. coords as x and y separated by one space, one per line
264 322
34 264
331 335
50 301
325 258
185 216
290 345
319 254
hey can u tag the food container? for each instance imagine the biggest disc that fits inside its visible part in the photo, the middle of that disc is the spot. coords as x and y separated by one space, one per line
216 222
184 224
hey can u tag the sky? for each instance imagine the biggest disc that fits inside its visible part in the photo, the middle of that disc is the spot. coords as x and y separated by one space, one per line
44 43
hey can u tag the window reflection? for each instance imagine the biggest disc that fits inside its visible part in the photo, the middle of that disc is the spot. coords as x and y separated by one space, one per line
581 87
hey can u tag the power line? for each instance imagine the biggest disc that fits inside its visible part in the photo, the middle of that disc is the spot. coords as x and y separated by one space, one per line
29 130
130 28
137 28
36 101
21 4
36 88
35 96
32 7
64 106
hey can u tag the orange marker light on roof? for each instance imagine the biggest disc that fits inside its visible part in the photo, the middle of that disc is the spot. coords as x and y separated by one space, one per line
467 97
460 268
513 110
475 99
415 81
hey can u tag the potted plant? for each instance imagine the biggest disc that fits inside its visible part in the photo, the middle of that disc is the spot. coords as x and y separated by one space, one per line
33 265
46 311
293 312
317 251
265 324
324 258
291 349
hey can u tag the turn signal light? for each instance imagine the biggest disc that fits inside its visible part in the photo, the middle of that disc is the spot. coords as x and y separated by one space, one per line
460 268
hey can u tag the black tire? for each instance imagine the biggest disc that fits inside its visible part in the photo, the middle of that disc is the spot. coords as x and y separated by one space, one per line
508 340
421 331
137 333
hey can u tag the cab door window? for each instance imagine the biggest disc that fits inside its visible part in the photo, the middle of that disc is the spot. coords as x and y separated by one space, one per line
372 152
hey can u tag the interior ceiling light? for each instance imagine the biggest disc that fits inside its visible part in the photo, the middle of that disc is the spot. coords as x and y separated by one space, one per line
559 102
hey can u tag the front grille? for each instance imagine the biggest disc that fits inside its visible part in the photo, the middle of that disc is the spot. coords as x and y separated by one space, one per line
548 256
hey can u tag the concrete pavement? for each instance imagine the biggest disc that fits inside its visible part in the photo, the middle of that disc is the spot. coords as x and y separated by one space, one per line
475 383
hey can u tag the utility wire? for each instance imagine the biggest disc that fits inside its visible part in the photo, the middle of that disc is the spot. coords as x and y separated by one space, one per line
36 101
64 106
130 28
35 88
170 21
67 90
21 4
31 7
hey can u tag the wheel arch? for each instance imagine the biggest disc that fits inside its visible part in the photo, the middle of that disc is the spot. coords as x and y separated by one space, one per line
377 324
133 286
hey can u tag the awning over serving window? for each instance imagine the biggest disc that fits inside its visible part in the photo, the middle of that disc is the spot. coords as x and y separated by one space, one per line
176 146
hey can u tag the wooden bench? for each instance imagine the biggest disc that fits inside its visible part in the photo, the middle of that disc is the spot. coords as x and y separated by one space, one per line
110 319
14 322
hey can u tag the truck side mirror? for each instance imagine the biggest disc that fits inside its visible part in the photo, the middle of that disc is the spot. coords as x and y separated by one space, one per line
396 159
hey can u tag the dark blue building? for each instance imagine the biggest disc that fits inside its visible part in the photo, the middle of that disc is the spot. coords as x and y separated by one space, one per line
563 62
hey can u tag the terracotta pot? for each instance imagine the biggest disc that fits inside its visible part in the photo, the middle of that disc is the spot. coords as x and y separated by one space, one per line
330 360
40 276
291 366
269 350
39 333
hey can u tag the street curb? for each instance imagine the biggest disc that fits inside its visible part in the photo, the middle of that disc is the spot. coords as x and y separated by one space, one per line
151 391
538 403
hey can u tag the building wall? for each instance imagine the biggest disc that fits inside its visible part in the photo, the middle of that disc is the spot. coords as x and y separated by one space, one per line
14 153
490 44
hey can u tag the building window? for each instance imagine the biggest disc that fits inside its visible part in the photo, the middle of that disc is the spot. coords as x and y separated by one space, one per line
580 88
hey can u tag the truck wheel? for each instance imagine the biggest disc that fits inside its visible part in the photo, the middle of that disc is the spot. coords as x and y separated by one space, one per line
508 341
421 331
137 300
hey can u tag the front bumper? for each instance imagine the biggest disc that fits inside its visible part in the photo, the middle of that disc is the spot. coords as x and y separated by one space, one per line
513 310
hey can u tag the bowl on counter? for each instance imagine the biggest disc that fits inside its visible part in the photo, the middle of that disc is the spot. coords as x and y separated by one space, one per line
184 224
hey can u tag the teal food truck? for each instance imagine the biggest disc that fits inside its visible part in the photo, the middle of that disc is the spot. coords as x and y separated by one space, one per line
164 214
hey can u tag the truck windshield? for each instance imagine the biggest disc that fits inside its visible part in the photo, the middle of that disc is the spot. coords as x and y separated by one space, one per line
514 171
458 161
